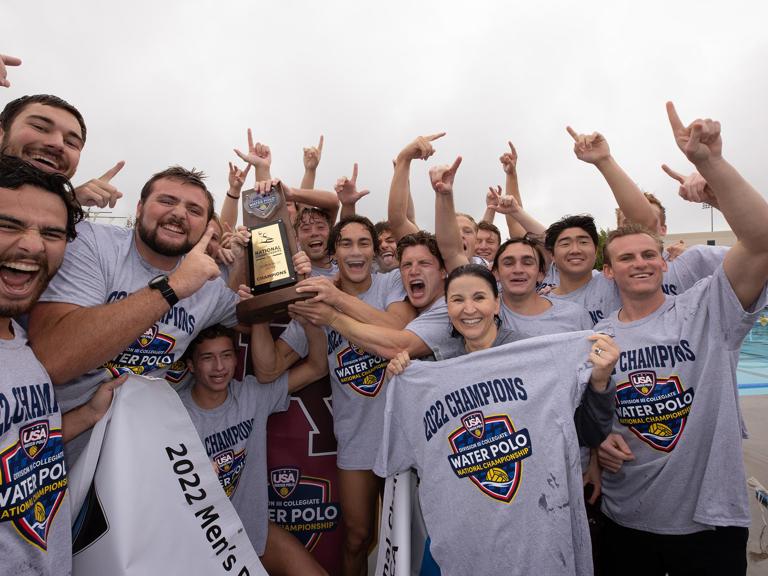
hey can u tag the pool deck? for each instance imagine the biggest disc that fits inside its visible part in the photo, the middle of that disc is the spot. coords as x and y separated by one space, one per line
755 409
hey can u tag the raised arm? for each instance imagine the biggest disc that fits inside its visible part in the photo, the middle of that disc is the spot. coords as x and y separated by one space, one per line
100 191
744 208
512 188
230 209
67 351
593 149
323 199
446 228
315 365
312 157
348 194
259 156
400 190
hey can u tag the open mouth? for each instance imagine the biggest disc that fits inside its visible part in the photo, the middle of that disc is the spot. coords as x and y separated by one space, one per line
356 265
641 275
174 228
18 276
417 288
315 245
46 162
471 321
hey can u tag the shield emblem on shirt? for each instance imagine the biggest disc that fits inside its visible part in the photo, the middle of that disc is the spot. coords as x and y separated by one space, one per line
643 381
264 205
474 423
224 461
148 336
34 438
284 480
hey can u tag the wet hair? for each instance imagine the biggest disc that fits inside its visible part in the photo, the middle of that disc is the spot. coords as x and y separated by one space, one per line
468 217
583 221
522 240
382 227
483 225
420 238
15 173
15 107
211 333
656 202
629 230
309 212
478 271
335 235
184 176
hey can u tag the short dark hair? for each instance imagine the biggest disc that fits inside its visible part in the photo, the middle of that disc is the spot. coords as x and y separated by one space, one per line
309 212
536 245
420 238
629 230
333 237
210 333
382 227
583 221
15 173
489 227
180 174
14 108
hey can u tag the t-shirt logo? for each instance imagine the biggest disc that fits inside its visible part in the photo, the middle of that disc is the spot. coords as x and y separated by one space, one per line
229 468
654 408
153 350
284 481
33 482
490 452
363 372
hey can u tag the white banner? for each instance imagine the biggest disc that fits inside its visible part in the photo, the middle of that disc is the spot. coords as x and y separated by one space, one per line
394 555
155 505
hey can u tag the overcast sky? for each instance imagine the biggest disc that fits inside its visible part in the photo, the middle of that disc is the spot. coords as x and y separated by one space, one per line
172 82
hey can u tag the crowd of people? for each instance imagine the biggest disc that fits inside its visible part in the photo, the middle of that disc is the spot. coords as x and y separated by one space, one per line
501 366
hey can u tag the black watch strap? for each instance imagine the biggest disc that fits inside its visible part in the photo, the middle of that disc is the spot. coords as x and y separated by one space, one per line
160 283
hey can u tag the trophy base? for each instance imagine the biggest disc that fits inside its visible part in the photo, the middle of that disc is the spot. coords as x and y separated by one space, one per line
269 306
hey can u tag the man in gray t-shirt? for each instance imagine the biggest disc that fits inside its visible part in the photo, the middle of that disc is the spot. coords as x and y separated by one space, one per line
231 419
676 407
131 300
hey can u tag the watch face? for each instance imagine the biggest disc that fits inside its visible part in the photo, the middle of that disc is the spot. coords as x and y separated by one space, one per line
158 281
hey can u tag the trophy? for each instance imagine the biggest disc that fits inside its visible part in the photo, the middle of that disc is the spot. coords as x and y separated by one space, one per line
272 277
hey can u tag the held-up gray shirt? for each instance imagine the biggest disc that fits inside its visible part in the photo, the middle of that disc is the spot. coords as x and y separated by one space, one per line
491 436
235 438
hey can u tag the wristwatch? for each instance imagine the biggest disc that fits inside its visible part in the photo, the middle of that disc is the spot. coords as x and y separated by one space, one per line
161 283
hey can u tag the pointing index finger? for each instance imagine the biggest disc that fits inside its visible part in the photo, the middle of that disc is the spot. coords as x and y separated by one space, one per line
673 174
432 137
112 172
320 144
455 165
354 174
674 119
573 133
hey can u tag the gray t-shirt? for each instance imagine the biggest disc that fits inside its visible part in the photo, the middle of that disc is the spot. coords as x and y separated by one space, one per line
329 272
677 410
103 266
357 379
600 296
491 436
434 328
235 438
35 515
562 316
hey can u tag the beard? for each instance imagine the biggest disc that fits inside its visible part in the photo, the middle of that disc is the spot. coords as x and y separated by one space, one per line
150 238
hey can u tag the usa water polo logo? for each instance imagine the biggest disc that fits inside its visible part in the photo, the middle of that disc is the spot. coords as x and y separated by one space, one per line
33 481
229 468
654 409
153 350
284 481
362 371
490 452
263 205
302 505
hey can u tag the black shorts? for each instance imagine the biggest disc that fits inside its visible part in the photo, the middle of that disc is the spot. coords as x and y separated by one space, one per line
629 552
